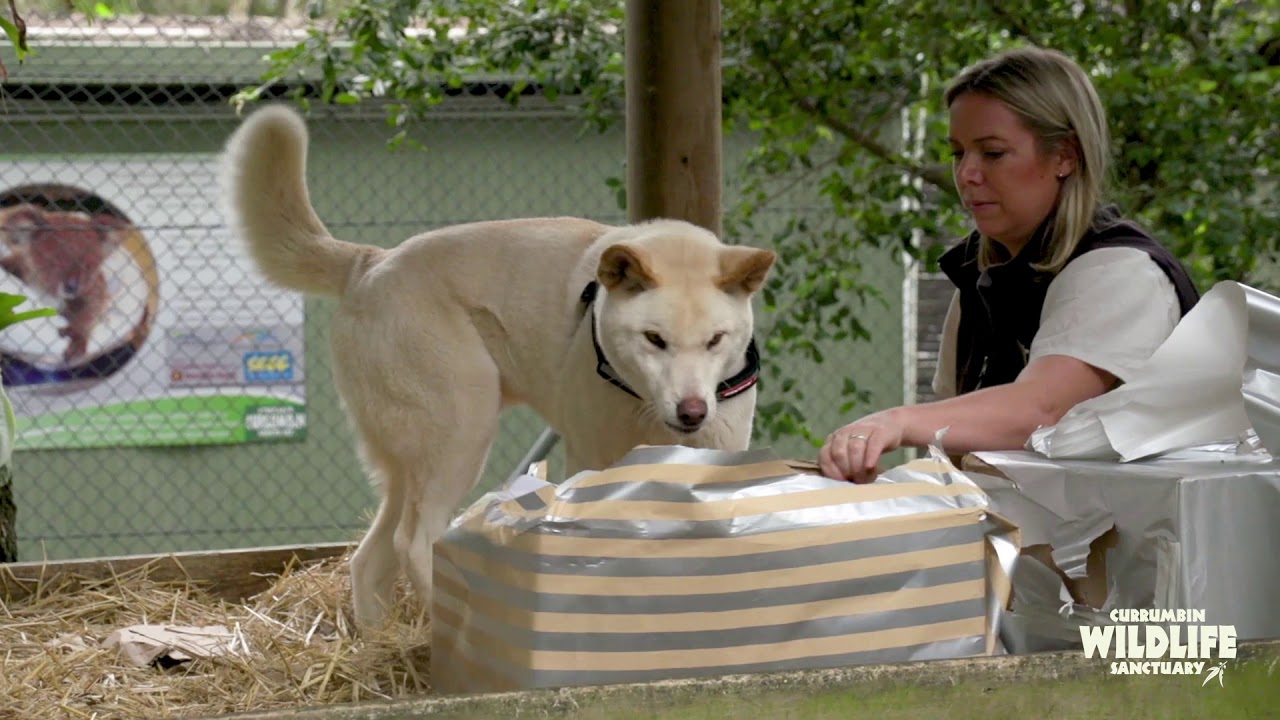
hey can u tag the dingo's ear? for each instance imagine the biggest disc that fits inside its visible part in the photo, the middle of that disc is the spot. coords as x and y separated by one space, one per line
744 269
624 267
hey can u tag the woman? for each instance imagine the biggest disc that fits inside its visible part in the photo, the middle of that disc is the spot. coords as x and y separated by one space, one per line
1058 299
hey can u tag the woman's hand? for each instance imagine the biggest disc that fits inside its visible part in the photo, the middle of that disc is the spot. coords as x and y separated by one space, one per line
853 452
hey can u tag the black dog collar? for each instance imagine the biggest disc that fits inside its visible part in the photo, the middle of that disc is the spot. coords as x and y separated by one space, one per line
736 385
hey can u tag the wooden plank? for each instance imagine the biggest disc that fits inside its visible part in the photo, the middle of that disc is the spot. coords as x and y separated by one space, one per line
673 115
231 575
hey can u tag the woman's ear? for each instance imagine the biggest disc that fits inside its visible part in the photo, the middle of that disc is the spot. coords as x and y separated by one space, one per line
1068 157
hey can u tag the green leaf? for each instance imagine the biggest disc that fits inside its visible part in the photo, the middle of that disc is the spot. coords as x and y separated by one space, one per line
9 302
14 34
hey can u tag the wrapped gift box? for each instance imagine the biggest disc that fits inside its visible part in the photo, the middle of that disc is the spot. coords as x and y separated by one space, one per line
1190 529
679 562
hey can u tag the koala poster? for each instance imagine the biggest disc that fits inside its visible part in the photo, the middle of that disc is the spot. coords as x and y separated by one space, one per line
60 254
164 334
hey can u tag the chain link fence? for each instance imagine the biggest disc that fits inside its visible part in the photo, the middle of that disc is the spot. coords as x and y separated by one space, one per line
177 402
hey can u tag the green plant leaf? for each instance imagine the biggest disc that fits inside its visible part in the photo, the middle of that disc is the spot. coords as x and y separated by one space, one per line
10 301
12 31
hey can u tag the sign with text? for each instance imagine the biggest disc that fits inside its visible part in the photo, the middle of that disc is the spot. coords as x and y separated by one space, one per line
1144 641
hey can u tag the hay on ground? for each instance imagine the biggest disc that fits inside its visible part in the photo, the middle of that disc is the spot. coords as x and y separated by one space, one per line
290 646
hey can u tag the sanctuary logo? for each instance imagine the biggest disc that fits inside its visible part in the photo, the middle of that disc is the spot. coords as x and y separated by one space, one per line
1161 642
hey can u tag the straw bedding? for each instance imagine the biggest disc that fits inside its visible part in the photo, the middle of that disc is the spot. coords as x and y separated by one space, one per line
291 645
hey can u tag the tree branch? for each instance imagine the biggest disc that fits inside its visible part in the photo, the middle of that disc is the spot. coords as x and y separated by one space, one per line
936 175
769 197
1270 51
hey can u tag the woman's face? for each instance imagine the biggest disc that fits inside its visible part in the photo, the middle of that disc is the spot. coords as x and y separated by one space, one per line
1007 184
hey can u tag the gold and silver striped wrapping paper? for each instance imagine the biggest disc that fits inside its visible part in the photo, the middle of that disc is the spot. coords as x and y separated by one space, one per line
680 562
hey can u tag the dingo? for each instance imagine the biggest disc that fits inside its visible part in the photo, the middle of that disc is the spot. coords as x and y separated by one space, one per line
615 336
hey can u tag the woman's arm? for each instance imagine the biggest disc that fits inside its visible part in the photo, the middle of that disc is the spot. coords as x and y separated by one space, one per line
996 418
1103 316
1042 394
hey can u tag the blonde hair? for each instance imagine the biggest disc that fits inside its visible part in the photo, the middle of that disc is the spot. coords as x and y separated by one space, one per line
1056 100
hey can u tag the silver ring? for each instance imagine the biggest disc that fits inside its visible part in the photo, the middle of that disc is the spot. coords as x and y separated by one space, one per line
857 437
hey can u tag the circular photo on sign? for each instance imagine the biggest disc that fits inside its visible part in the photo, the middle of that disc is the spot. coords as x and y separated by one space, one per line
67 249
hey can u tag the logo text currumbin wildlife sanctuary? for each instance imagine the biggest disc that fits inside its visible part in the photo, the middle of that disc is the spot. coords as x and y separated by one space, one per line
1161 642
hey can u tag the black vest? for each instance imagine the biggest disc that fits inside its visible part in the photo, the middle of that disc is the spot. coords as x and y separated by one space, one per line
1000 307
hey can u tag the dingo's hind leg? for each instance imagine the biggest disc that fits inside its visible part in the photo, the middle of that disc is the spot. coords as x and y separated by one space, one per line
376 564
430 439
450 462
440 451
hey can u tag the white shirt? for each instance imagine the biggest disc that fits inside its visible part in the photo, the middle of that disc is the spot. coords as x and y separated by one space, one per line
1110 308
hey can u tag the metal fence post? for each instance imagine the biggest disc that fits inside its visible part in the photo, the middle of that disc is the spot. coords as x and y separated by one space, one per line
538 451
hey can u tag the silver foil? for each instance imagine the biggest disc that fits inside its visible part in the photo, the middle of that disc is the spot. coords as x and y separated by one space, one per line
1215 379
1261 388
1197 529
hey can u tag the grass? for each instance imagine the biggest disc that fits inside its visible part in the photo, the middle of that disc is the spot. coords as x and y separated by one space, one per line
1250 690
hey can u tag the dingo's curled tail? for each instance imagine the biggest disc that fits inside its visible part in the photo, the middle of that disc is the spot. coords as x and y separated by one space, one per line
265 192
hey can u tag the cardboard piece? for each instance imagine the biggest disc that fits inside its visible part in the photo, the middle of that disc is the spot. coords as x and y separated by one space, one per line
679 563
143 645
1090 589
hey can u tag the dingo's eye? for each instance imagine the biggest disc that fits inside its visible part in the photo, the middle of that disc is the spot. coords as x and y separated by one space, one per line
656 339
715 340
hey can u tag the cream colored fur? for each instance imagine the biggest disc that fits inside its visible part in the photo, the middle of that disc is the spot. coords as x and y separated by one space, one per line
432 339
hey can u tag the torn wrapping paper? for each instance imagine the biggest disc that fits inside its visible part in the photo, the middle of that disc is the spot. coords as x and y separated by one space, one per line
1215 379
1192 529
680 562
142 645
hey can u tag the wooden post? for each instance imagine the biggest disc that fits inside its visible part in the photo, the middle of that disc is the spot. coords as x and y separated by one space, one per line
673 53
8 518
